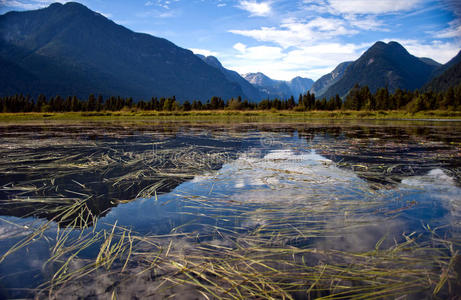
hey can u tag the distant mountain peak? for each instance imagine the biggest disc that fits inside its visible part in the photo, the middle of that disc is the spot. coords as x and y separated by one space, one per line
279 88
258 79
256 74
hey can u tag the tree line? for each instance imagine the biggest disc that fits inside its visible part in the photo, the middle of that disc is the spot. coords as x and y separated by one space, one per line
359 98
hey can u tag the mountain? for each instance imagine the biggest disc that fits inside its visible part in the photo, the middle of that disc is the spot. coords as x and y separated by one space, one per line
323 83
70 50
300 85
250 92
447 75
279 88
384 65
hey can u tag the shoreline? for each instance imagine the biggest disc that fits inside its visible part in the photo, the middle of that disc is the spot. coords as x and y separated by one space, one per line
228 115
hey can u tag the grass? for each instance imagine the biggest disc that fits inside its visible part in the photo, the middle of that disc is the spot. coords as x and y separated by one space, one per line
228 115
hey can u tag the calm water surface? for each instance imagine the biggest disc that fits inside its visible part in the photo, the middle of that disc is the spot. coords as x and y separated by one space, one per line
341 187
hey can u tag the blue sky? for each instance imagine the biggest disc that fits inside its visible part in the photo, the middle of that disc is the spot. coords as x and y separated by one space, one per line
286 38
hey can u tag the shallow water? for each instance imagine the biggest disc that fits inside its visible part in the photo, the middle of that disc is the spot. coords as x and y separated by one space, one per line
322 186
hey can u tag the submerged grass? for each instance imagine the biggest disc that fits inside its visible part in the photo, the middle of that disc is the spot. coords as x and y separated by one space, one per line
251 266
263 263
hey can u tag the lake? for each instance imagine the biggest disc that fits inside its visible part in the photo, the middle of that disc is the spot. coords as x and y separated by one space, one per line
333 209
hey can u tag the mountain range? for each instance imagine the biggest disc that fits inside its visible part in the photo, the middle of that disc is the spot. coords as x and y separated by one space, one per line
67 49
279 88
70 50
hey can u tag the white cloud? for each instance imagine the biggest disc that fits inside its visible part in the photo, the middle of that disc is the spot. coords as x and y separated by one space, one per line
295 33
261 53
372 6
325 54
204 52
255 8
240 47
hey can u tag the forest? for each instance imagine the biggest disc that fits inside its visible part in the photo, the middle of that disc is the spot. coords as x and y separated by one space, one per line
359 98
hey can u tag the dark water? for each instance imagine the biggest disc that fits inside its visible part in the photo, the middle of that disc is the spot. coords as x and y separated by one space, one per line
344 186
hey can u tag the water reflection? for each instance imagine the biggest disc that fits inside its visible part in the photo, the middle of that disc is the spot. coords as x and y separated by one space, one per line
116 164
314 188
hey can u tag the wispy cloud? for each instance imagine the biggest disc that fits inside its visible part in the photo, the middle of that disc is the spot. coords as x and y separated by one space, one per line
453 31
159 13
296 33
370 6
31 4
166 4
255 8
366 23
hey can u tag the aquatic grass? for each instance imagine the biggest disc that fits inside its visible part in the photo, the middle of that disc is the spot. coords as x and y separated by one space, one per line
246 265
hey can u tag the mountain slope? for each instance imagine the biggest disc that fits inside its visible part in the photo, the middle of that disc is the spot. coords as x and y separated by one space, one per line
70 49
250 92
323 83
447 76
384 65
